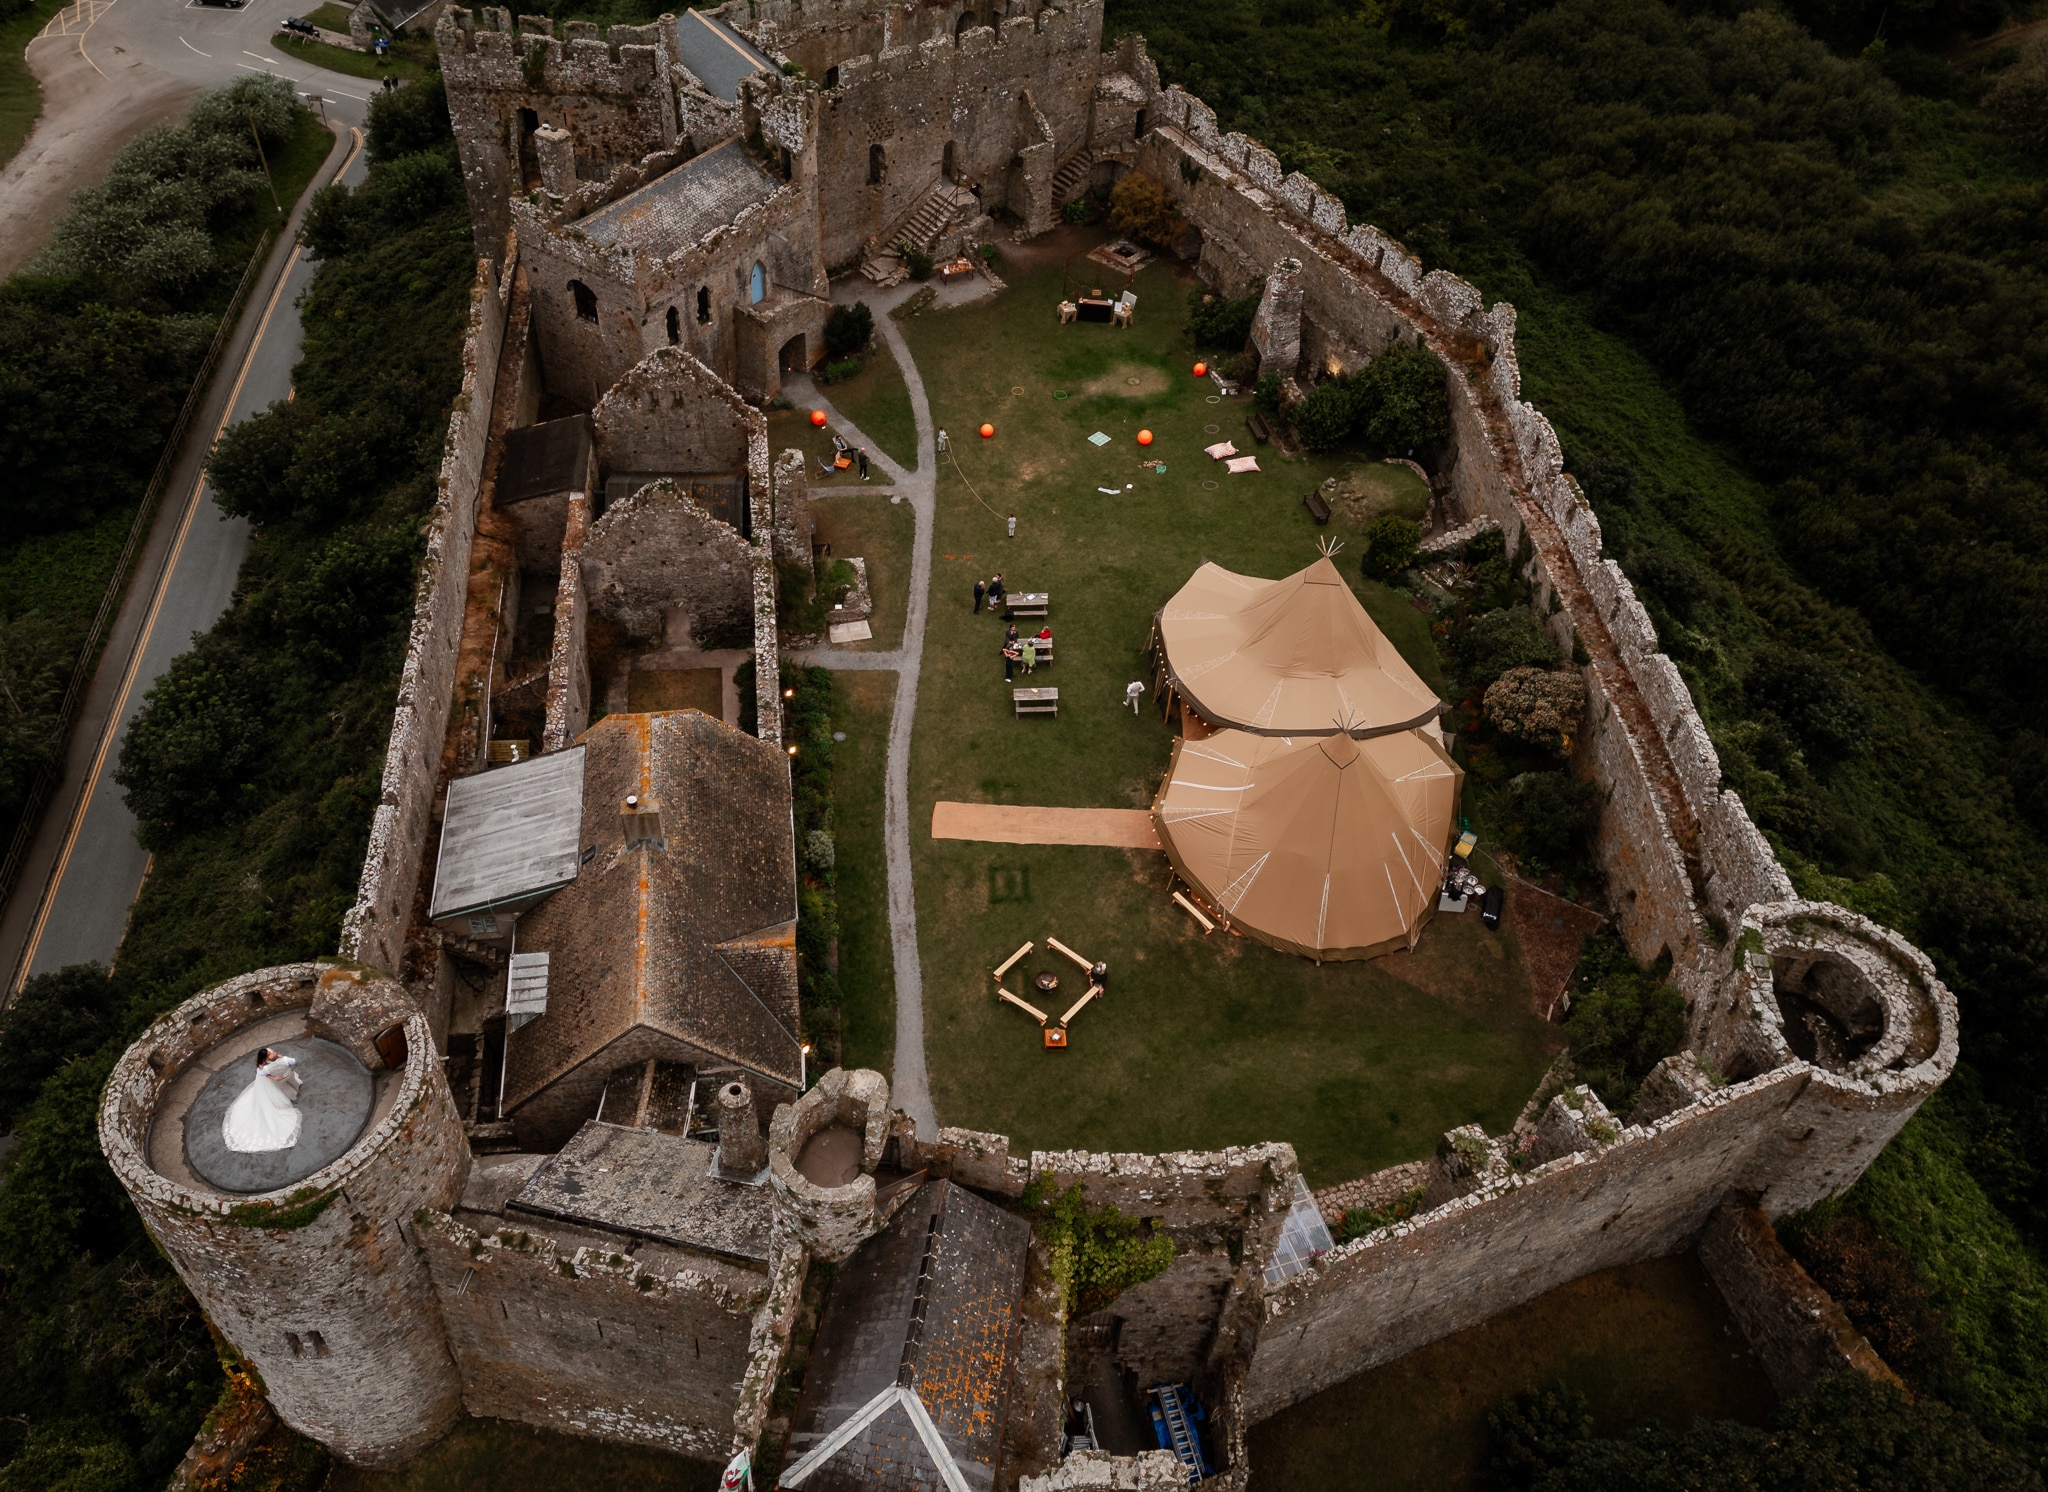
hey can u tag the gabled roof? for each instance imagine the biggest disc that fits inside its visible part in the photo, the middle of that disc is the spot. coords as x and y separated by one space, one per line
650 1185
909 1376
1287 657
509 836
1319 845
680 207
690 935
716 55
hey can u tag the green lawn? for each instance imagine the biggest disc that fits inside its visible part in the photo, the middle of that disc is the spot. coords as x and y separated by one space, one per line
867 979
489 1455
330 17
408 60
21 97
1203 1042
877 400
868 526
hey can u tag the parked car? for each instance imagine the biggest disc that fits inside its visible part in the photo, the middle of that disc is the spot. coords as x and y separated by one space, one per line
224 4
299 25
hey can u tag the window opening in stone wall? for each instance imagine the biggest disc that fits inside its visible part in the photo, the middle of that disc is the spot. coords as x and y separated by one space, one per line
291 1340
1138 126
585 298
757 284
704 304
952 160
786 163
965 25
318 1344
675 327
831 77
529 158
878 165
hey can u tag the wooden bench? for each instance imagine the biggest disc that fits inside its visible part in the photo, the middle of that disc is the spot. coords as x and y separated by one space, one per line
1028 603
1044 647
1036 701
1256 423
1318 509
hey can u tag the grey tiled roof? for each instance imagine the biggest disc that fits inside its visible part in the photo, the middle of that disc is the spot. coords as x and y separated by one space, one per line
716 55
677 209
652 1185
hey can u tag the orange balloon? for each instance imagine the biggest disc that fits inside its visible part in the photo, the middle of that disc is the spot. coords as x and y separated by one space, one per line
1144 437
988 432
1201 370
818 418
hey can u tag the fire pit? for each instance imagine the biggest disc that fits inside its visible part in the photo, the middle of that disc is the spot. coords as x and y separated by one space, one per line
1046 982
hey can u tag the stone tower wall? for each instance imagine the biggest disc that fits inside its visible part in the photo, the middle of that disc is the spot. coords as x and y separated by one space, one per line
331 1255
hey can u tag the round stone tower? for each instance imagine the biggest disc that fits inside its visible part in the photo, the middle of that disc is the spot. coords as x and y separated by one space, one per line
302 1257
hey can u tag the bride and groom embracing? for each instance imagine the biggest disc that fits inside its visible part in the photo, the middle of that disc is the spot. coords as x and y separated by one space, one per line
266 1115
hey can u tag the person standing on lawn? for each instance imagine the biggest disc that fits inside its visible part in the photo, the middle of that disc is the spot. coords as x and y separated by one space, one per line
1011 653
862 453
995 591
1030 655
980 591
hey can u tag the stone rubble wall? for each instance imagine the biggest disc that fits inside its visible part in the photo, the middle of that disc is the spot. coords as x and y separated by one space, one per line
329 1255
768 1343
1100 1471
1186 1189
588 1341
373 932
1379 1190
568 711
1796 1329
1170 1320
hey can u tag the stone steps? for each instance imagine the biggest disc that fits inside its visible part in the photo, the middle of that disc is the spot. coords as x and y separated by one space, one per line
1071 175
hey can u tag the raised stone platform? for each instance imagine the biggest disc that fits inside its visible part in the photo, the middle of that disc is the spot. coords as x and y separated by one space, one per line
334 1104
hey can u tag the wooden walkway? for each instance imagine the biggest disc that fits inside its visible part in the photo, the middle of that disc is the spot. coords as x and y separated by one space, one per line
1004 823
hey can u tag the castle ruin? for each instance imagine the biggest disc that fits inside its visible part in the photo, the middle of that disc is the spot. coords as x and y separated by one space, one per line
589 1165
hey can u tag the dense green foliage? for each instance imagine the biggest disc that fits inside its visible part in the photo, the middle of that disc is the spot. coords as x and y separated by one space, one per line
1713 226
276 721
1389 547
849 329
1222 325
1623 1021
1094 1256
1395 404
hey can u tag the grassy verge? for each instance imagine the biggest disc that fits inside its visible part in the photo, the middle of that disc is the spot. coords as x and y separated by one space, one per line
21 97
330 17
1201 1042
880 532
403 61
867 978
878 400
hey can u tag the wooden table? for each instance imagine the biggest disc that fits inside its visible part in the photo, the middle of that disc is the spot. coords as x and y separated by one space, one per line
1036 701
1028 603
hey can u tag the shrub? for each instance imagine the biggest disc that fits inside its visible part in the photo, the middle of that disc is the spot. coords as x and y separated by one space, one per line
1325 418
1094 1256
1879 1292
1141 208
1218 323
1623 1021
1548 817
1266 395
411 119
1390 545
2019 97
1402 404
1488 646
1239 366
840 371
920 263
848 329
1532 1432
1539 706
1359 1221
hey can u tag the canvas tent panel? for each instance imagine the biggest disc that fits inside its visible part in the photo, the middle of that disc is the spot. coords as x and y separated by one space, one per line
510 836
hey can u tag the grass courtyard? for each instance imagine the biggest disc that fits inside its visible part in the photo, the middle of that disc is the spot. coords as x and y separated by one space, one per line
1203 1041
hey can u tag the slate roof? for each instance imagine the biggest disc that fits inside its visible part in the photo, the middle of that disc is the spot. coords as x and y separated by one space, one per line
691 937
540 460
908 1381
510 836
678 208
650 1185
716 55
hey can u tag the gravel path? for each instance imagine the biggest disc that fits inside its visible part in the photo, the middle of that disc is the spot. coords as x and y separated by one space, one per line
910 1087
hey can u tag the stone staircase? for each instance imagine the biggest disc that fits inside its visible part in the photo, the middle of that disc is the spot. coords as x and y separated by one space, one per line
1071 177
935 212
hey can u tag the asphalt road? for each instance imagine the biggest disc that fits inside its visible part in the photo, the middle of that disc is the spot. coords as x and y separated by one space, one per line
72 903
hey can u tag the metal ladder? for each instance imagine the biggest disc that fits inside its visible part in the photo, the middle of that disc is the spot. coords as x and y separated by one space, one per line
1178 1435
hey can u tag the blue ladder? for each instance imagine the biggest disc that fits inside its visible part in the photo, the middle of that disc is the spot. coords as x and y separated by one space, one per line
1173 1427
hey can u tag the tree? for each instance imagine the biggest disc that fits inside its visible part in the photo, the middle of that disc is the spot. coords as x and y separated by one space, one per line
1624 1019
2019 97
1141 208
1403 407
848 330
1324 419
1548 817
189 749
56 1017
33 664
1390 545
414 118
1489 645
1219 324
1540 706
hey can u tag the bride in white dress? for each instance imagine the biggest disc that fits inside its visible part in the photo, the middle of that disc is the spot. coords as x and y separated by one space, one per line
266 1116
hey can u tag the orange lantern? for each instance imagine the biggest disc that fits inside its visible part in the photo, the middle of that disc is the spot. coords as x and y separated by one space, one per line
1201 370
988 432
1144 437
818 418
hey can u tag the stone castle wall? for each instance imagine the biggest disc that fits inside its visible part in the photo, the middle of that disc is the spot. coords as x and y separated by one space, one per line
374 930
568 709
588 1341
319 1285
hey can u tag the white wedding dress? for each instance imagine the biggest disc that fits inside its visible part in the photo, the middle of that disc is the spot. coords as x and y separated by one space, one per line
265 1116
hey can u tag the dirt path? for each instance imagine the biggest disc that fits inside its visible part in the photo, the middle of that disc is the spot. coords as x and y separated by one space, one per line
98 94
1004 823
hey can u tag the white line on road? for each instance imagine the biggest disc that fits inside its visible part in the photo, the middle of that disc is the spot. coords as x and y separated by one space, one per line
190 48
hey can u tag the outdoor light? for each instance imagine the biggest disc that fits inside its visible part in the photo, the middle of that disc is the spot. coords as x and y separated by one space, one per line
789 694
792 751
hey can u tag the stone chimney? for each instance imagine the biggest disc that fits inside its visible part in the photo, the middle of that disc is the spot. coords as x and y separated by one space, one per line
555 148
742 1148
1276 329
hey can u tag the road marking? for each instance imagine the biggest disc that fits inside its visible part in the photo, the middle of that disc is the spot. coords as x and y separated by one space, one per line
190 48
113 730
356 96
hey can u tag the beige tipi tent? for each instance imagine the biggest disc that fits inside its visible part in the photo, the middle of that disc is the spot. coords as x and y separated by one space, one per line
1325 846
1289 657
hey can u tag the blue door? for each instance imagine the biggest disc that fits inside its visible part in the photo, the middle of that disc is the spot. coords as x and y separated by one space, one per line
757 287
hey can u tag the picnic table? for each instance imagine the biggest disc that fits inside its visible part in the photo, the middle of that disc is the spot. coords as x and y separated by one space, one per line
1036 701
1029 603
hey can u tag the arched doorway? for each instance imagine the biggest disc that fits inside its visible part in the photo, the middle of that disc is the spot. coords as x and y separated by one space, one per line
792 357
964 25
757 284
878 165
704 305
675 327
951 168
